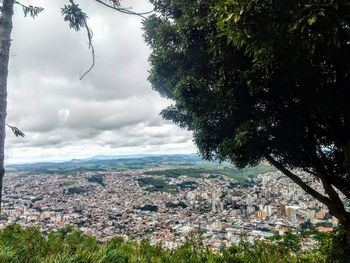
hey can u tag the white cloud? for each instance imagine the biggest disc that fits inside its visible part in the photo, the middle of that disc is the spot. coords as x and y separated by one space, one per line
112 111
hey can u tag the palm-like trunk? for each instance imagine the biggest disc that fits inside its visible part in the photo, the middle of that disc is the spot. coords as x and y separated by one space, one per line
5 43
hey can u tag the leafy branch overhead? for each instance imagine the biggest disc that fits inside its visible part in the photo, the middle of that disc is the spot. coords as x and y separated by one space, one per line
32 11
74 15
115 4
17 132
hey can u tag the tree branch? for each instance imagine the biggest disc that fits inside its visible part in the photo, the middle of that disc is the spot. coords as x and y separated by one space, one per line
91 47
323 199
78 19
325 173
330 191
338 183
124 10
17 132
33 11
336 207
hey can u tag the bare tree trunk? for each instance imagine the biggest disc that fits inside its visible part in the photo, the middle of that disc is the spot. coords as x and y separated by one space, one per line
5 43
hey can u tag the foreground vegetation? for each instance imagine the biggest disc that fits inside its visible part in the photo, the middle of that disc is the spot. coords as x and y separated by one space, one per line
27 245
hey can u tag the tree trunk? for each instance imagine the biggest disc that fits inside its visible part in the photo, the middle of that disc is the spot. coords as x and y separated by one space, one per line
343 217
5 43
332 200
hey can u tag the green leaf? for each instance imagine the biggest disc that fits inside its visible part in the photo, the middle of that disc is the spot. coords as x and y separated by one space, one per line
312 20
227 19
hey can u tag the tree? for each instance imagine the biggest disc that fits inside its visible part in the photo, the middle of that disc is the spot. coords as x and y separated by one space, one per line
261 80
77 20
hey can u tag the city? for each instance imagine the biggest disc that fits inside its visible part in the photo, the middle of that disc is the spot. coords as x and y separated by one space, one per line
137 204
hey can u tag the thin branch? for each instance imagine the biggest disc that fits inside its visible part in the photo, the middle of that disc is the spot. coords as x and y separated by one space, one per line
124 10
91 47
78 19
32 11
17 132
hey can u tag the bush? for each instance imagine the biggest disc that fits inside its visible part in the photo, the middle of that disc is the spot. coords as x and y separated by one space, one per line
68 245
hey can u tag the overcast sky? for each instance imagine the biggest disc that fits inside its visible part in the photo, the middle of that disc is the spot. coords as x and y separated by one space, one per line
112 111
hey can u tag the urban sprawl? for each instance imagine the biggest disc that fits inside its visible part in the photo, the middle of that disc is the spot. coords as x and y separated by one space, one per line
137 205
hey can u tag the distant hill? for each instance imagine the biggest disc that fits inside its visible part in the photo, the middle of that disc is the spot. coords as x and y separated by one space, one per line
110 163
115 157
169 166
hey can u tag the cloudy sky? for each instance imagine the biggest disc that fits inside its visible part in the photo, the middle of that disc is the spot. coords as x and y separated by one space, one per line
113 110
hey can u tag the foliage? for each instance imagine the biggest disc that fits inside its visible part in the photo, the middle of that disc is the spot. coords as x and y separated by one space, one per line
174 205
188 185
260 80
333 245
74 15
156 184
29 245
97 178
200 168
148 207
75 190
32 11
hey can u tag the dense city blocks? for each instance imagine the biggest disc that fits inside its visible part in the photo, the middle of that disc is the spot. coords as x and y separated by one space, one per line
164 203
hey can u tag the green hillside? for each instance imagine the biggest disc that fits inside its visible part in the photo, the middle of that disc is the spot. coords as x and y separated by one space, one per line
19 245
166 165
213 169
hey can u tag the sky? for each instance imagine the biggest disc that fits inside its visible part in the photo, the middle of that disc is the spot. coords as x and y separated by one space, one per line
112 111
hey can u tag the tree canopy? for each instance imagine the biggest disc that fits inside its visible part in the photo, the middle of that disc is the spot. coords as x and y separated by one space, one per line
260 80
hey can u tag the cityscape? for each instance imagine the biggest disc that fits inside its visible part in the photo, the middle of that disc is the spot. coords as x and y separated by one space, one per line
161 205
174 131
